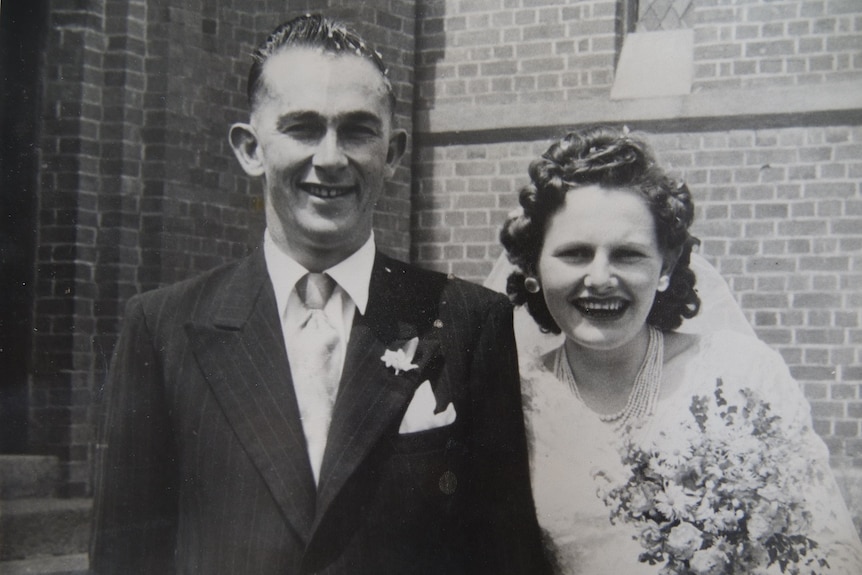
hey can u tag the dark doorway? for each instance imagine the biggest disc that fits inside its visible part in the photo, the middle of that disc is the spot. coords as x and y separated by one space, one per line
22 32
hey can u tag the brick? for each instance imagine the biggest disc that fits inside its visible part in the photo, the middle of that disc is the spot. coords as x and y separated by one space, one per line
774 336
820 336
771 265
822 428
499 68
816 300
473 235
764 318
771 211
846 428
854 409
717 52
803 228
815 319
844 391
453 252
758 301
846 226
474 169
825 264
826 409
471 271
771 48
542 65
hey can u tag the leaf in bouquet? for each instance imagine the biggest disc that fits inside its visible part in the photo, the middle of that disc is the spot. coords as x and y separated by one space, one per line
699 410
719 394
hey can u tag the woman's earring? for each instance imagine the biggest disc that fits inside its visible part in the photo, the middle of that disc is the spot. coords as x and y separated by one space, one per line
663 283
532 285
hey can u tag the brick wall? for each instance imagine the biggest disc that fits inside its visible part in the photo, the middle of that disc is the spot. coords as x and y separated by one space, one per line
785 42
779 214
64 314
496 52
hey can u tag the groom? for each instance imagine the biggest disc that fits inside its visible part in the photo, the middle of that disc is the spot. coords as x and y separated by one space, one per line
316 407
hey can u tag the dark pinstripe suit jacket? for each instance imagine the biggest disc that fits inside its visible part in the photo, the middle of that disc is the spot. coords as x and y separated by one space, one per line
204 466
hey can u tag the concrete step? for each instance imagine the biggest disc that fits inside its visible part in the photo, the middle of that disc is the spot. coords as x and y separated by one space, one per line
43 527
64 565
28 476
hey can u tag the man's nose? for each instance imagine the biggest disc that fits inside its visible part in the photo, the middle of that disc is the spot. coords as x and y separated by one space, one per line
329 155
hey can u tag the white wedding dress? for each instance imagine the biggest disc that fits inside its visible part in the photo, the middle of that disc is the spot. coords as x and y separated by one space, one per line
569 443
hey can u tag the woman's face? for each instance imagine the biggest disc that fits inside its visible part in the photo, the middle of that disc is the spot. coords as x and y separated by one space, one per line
600 266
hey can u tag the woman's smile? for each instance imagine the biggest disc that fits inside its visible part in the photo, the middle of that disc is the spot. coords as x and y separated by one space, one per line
601 309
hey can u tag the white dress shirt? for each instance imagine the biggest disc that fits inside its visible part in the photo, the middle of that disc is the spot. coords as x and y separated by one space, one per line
352 277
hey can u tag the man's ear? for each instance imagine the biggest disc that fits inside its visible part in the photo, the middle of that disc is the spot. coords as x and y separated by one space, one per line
397 147
246 148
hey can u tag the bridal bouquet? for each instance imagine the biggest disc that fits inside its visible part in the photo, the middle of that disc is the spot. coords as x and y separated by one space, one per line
722 495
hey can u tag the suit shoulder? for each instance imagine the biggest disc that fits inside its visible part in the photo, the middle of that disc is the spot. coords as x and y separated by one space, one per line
444 286
182 297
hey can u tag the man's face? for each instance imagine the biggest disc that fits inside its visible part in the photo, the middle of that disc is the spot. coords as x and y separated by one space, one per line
325 146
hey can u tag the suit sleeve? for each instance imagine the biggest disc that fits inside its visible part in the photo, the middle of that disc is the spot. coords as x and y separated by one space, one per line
135 510
507 535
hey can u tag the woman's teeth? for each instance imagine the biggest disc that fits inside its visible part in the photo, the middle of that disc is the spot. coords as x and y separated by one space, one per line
601 308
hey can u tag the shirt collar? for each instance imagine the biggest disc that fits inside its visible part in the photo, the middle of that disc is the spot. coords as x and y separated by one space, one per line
353 274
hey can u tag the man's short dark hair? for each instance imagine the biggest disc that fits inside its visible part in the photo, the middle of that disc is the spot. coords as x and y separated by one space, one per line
313 31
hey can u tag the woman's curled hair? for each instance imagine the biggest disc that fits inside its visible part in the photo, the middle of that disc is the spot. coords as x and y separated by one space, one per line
610 158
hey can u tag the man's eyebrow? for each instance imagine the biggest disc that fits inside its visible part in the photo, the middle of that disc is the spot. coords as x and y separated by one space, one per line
300 116
362 117
357 117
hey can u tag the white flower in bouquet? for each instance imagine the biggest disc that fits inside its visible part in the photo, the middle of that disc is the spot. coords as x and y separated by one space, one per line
722 496
684 539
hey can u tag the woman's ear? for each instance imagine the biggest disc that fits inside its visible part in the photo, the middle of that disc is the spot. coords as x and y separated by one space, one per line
246 148
397 147
670 260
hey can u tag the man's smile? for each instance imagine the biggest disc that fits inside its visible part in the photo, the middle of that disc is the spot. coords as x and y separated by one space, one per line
327 192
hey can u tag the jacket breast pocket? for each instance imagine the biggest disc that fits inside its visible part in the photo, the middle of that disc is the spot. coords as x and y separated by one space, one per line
429 440
427 467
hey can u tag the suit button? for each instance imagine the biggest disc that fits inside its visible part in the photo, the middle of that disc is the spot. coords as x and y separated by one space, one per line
448 483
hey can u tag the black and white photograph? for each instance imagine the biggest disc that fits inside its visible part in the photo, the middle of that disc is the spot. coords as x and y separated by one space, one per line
431 287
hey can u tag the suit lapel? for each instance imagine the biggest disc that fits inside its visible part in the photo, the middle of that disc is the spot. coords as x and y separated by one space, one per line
371 397
242 356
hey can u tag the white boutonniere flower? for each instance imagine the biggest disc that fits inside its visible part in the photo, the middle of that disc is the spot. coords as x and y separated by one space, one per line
401 359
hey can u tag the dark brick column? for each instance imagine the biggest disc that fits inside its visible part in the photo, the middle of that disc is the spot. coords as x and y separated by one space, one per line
68 221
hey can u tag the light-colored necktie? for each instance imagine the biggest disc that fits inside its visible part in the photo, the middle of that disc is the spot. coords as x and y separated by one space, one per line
316 369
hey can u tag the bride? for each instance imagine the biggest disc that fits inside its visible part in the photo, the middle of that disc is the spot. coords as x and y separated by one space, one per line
602 254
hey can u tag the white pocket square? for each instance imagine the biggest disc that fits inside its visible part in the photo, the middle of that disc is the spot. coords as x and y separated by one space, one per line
420 414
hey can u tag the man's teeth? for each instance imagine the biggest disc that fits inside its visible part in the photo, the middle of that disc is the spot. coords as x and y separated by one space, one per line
327 192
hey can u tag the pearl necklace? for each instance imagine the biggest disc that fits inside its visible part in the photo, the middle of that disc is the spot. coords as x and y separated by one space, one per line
644 394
